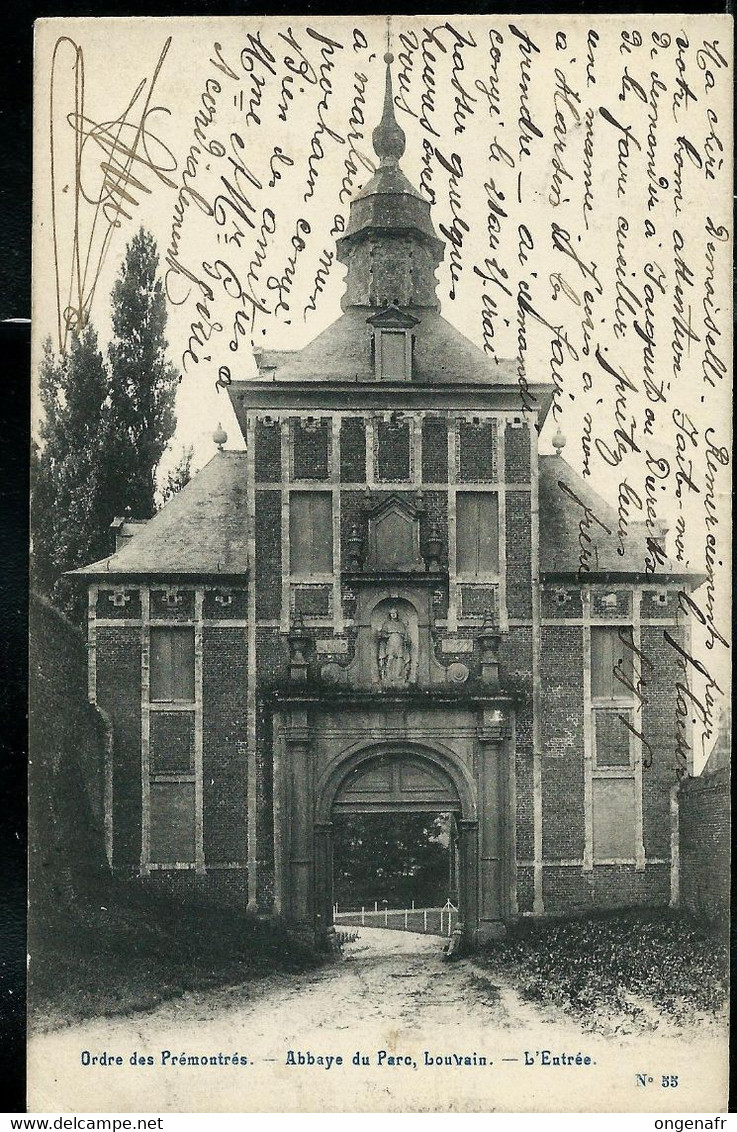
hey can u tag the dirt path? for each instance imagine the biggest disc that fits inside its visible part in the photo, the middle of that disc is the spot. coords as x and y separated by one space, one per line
391 997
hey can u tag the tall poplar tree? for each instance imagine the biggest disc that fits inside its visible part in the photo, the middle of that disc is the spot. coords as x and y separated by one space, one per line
106 424
143 383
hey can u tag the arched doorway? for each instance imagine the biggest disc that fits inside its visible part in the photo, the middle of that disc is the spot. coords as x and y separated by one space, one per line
402 778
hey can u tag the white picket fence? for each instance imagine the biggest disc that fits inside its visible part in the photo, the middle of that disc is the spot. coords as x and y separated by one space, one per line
427 921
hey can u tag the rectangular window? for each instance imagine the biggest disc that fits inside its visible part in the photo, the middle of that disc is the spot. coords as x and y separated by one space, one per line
172 665
477 532
172 823
393 347
611 662
311 532
612 738
614 818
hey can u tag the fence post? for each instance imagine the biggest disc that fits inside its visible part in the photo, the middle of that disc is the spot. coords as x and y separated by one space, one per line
386 914
376 905
424 921
405 919
413 905
363 915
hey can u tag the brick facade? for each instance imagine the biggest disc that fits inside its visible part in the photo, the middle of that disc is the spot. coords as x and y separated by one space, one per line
391 479
705 844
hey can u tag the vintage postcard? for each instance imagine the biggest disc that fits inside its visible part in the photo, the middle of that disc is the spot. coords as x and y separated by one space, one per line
380 659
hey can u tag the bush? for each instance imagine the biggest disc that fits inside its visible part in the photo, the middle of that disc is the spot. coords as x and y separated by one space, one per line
617 963
131 947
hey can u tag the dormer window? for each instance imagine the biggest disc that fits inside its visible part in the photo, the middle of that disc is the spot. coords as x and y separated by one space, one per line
394 360
392 341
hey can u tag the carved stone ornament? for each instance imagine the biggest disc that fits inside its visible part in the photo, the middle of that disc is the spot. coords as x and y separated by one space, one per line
457 673
119 597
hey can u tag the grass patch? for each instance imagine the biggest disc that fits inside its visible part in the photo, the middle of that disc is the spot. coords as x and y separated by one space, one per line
639 964
129 949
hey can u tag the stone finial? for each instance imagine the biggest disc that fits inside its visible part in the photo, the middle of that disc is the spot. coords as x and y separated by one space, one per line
433 547
489 638
220 437
559 442
389 138
299 641
354 544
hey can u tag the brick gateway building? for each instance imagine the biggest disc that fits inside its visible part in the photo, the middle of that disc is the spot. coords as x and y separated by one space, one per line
378 606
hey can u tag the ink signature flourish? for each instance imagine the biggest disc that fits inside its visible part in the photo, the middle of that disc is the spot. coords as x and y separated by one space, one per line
109 182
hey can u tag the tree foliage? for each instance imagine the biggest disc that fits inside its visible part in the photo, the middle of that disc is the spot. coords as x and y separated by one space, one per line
106 423
142 382
178 476
397 857
71 479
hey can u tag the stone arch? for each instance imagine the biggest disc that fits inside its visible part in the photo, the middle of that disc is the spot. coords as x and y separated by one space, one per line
436 754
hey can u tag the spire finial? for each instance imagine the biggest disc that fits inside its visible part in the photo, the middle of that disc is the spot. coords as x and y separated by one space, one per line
388 137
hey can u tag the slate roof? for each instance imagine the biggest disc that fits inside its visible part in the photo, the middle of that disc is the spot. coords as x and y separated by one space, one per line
560 528
201 530
342 353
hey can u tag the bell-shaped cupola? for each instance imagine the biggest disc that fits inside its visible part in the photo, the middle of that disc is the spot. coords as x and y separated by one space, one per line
390 246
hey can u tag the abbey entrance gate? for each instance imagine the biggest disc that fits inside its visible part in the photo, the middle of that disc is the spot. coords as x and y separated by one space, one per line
398 751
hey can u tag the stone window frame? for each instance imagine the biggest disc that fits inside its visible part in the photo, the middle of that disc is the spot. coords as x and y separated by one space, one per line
153 779
307 576
624 702
481 577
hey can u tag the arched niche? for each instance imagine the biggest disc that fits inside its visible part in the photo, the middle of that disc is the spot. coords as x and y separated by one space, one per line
394 628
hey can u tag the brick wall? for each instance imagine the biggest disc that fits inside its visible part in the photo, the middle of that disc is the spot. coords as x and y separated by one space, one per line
562 708
119 695
67 757
224 744
659 725
268 553
519 554
704 836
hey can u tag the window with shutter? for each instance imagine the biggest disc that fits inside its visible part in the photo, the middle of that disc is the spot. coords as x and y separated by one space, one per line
613 772
393 347
477 533
611 663
311 533
172 664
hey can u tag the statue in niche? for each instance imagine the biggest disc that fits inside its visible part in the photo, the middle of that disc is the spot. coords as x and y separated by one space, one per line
395 649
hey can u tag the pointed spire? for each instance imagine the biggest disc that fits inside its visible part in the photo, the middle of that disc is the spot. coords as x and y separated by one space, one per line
388 137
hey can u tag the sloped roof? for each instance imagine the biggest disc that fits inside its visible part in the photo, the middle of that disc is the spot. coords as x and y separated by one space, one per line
201 530
566 501
343 353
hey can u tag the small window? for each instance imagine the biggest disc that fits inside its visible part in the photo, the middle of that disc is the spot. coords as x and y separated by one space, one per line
172 665
393 355
311 532
611 662
477 533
